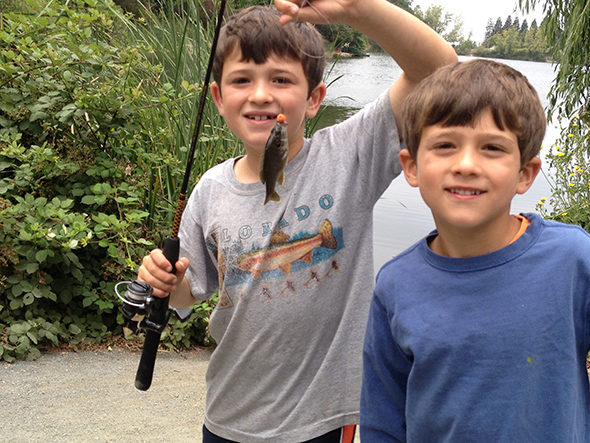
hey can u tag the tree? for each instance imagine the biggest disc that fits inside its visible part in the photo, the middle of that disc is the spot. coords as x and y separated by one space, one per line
498 27
567 29
447 24
507 23
489 29
516 24
524 27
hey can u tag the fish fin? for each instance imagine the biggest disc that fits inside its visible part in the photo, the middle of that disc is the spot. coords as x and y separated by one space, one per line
279 237
328 239
307 257
281 179
286 268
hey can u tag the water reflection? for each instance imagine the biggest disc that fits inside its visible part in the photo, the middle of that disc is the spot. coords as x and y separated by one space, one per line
401 217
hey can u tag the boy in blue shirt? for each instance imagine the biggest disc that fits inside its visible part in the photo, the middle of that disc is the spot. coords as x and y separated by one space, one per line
295 275
480 331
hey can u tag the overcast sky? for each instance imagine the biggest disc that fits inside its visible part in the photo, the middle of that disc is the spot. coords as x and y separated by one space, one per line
475 13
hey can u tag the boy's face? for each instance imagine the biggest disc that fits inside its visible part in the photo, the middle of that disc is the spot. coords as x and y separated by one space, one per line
469 175
251 95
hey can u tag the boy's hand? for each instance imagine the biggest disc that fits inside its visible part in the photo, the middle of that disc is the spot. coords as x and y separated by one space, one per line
315 11
156 270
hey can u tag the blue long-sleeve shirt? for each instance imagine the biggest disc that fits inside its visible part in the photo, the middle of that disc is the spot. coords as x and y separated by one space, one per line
489 348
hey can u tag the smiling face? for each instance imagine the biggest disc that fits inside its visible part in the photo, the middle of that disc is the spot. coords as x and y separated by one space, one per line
468 175
251 95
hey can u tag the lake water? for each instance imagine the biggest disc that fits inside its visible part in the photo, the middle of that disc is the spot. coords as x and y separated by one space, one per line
401 218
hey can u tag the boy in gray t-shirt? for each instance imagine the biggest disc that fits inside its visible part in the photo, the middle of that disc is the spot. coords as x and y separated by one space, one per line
295 275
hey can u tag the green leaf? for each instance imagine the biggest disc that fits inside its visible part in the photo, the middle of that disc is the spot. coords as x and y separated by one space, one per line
38 115
31 267
41 255
28 299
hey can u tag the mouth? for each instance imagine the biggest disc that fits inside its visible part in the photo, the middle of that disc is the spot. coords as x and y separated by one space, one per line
462 191
258 117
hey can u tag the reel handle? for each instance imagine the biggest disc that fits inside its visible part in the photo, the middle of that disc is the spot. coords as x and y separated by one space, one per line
159 315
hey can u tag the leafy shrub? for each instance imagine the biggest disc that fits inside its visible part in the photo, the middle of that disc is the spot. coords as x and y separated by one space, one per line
82 156
570 162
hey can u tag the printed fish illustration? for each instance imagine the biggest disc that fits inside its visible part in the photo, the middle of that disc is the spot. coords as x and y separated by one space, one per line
281 253
274 160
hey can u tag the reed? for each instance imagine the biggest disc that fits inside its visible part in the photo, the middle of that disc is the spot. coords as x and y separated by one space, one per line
177 38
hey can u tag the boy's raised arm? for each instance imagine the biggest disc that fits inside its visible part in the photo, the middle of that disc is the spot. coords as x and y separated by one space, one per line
415 47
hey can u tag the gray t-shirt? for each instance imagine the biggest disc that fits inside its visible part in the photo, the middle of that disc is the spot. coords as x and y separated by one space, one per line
295 280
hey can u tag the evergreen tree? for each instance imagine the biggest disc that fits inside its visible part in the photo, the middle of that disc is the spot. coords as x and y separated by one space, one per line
516 24
498 27
489 29
507 23
524 27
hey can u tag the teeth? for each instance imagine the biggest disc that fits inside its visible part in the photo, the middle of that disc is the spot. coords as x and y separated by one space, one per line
260 117
465 191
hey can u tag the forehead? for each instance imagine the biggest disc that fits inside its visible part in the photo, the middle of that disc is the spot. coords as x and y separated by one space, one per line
235 60
483 124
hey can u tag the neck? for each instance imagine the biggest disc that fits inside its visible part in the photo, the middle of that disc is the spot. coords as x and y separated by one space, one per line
460 243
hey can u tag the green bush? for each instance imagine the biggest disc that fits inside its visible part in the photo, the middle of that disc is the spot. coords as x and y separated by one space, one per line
569 161
84 145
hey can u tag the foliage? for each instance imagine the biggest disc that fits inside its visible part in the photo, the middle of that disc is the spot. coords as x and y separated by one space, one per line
513 44
567 29
570 166
448 25
512 40
85 160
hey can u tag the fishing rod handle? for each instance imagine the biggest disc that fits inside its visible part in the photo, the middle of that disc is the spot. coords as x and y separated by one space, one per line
158 314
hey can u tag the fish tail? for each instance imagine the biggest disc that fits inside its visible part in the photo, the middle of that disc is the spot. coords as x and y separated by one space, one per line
327 235
274 197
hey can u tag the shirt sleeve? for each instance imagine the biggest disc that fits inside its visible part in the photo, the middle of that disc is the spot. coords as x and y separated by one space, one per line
385 375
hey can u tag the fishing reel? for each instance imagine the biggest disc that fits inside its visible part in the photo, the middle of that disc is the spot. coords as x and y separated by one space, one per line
143 312
140 310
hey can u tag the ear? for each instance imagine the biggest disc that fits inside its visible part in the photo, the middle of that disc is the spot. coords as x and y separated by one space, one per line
216 94
410 167
527 175
315 100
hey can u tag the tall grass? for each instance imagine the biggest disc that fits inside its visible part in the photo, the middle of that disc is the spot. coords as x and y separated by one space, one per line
178 39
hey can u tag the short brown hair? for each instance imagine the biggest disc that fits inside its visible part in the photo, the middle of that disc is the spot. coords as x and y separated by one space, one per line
256 31
456 95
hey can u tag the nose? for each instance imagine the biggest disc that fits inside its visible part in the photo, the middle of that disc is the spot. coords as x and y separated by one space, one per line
260 93
466 161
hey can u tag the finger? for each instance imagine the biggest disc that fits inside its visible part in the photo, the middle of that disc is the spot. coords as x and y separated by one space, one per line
182 265
288 9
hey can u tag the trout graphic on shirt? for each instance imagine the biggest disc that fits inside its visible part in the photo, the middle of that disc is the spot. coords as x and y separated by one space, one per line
282 253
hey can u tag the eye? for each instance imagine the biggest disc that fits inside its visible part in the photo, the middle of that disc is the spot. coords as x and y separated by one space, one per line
240 80
444 145
493 149
282 80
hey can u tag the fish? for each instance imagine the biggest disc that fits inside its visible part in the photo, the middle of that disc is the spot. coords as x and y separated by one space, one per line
274 160
282 253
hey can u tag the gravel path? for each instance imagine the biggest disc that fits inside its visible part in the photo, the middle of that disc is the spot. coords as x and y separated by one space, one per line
90 396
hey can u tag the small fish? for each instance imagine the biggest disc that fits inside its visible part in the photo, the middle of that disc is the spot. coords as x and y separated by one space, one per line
281 253
274 159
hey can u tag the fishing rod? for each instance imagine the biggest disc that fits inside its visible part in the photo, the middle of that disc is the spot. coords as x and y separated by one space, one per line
141 311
